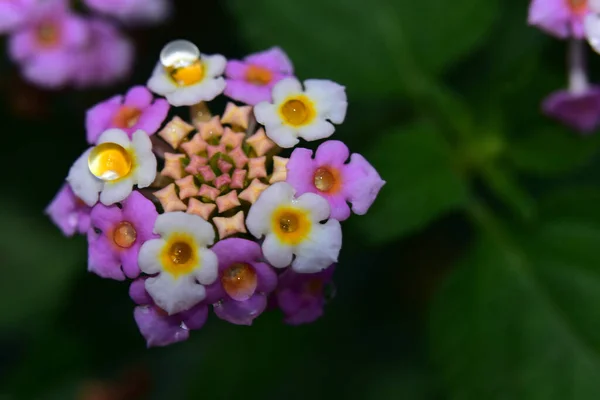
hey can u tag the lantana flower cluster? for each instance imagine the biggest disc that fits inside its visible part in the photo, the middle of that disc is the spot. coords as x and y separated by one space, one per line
201 211
578 21
56 46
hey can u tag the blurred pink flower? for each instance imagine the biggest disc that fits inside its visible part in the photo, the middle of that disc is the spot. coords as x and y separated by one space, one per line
14 13
133 11
561 18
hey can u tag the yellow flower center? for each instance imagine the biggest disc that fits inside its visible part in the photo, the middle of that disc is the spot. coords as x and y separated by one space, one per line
291 225
258 75
578 6
327 180
48 34
188 74
239 281
297 111
109 162
124 235
127 117
179 255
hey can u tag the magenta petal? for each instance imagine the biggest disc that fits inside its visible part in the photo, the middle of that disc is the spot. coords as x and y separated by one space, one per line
141 213
332 153
552 16
241 312
247 92
21 45
273 59
195 317
66 212
236 250
138 293
215 292
153 116
340 209
49 70
129 259
138 97
362 184
105 217
266 277
236 70
100 117
300 171
75 31
297 310
11 16
159 330
102 259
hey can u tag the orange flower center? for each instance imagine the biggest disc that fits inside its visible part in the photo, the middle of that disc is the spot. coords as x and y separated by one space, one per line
327 180
578 6
124 235
314 287
48 34
258 75
239 281
127 117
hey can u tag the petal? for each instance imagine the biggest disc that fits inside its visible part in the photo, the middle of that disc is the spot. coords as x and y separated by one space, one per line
49 70
363 184
160 83
84 185
592 30
146 160
215 64
273 59
175 295
330 99
157 329
137 292
285 88
138 97
340 209
129 261
99 118
195 317
247 92
21 45
317 205
320 250
180 222
319 129
236 250
551 16
149 257
206 90
236 69
63 211
332 152
258 221
105 218
208 271
76 31
266 276
114 192
102 259
266 114
115 135
283 136
301 170
276 253
142 213
241 312
153 116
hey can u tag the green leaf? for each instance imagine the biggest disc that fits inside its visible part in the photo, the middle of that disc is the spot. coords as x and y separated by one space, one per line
371 48
552 151
521 322
421 184
38 264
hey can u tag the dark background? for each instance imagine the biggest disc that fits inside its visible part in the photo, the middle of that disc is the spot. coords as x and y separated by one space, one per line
475 275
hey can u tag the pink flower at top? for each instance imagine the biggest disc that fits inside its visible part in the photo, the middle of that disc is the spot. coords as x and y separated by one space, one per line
68 212
133 11
15 13
158 327
561 18
117 234
251 80
329 176
136 110
92 66
44 46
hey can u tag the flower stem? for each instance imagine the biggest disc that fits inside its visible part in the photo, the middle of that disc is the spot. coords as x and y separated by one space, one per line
578 79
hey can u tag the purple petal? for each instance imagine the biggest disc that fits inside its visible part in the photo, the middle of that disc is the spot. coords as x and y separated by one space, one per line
21 45
300 171
138 293
215 292
273 59
105 217
129 260
49 70
138 97
241 312
552 16
103 260
142 214
579 111
67 214
12 14
100 117
153 116
236 70
362 184
298 310
75 31
266 277
332 153
195 317
247 92
236 250
159 330
340 209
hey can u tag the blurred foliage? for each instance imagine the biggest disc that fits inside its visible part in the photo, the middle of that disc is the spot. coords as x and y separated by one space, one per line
474 275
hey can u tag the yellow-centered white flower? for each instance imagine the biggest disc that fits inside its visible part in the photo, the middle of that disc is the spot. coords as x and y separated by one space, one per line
292 227
110 169
181 260
309 113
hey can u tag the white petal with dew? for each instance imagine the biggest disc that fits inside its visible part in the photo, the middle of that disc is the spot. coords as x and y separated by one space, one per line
208 271
285 88
215 65
260 214
160 83
115 135
175 295
114 192
266 114
319 207
276 253
284 136
191 224
318 129
320 249
330 98
206 90
145 159
85 185
149 256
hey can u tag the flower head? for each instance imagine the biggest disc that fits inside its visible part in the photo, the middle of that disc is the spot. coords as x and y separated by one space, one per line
15 13
133 11
118 234
301 296
309 113
240 293
186 77
180 260
251 80
68 212
329 176
111 168
293 227
159 328
136 110
44 46
561 18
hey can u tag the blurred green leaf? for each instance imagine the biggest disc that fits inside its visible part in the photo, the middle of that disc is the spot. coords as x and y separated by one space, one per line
578 203
521 322
552 151
38 264
366 46
421 184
